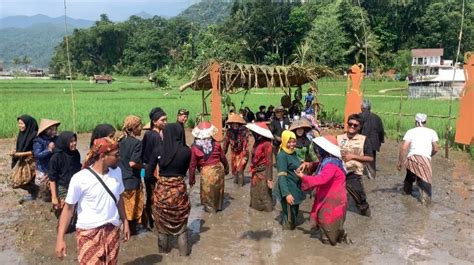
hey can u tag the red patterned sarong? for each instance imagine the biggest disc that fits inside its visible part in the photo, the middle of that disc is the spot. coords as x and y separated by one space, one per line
98 245
238 161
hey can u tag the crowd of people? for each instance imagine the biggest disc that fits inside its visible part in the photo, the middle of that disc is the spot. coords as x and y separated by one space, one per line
139 184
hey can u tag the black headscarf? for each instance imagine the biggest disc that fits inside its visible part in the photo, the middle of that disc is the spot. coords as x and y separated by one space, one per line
173 139
156 114
69 161
24 141
100 131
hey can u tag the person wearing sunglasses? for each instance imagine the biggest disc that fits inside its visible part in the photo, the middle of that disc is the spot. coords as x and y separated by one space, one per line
356 151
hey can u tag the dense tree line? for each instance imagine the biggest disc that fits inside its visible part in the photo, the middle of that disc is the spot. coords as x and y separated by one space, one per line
334 33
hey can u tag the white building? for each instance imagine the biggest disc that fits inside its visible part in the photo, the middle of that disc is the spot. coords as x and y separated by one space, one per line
426 63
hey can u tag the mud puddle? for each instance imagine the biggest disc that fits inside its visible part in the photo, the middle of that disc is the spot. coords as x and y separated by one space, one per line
400 230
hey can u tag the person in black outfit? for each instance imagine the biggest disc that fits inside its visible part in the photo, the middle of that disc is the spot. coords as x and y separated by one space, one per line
64 163
130 164
151 140
277 126
294 109
270 114
249 115
261 114
22 157
102 130
171 206
372 128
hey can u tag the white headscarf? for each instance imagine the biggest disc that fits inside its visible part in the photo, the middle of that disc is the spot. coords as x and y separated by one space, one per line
420 118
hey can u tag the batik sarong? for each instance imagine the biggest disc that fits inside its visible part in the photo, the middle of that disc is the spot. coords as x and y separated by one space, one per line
212 186
133 201
98 245
260 194
171 205
238 161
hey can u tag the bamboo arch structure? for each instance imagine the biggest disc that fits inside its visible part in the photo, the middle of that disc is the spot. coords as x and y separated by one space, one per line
224 77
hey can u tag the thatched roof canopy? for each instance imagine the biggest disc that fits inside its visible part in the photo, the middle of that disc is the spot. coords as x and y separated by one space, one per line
235 75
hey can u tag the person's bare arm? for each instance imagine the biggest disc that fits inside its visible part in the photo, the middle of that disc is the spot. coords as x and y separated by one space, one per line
364 158
135 165
21 154
435 148
54 194
402 154
123 217
64 221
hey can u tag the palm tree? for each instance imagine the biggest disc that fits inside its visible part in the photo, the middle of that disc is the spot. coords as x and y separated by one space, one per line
366 46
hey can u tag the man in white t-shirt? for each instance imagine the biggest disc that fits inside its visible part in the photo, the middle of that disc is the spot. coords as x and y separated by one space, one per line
96 191
421 143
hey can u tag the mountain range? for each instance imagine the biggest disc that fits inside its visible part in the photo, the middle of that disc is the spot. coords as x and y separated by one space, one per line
28 21
36 36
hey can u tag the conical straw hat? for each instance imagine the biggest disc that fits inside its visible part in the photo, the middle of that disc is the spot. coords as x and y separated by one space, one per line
260 128
45 124
299 124
329 144
236 118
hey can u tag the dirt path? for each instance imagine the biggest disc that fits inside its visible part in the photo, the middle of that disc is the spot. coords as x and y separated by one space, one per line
400 230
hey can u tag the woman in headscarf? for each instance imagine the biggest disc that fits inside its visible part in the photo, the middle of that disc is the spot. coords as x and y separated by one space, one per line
330 202
23 162
171 205
237 138
287 189
102 130
304 149
131 163
261 167
64 163
43 146
209 158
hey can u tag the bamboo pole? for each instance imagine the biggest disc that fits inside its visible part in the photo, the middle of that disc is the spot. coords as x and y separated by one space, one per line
399 123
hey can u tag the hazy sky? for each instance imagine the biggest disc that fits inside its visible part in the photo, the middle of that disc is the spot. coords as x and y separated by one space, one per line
91 9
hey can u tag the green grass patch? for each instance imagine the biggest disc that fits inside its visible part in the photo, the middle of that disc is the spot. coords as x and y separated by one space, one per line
98 103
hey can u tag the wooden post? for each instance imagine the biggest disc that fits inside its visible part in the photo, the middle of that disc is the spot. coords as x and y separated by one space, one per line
399 123
446 140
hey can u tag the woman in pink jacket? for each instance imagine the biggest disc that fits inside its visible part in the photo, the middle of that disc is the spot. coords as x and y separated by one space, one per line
329 182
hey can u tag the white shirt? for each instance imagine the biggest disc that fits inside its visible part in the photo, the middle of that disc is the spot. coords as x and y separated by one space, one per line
95 206
421 141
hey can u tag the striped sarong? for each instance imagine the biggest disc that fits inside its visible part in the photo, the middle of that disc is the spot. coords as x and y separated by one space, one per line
420 166
98 245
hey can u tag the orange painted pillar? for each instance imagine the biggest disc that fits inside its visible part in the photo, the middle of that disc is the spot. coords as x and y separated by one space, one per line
354 93
465 122
216 109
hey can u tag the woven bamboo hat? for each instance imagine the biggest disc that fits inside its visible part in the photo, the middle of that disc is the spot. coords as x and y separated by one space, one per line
260 128
301 123
45 124
236 118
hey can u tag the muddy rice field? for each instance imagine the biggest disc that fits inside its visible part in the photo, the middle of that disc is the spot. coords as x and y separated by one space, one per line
400 230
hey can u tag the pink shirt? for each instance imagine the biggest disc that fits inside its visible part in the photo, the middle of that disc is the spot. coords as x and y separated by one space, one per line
330 202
